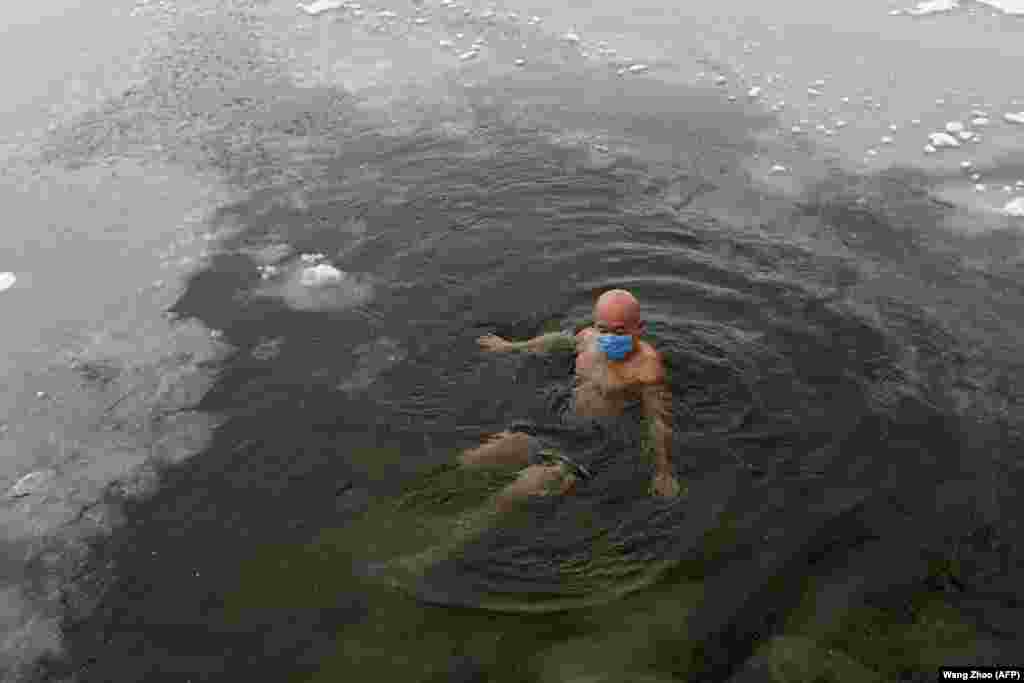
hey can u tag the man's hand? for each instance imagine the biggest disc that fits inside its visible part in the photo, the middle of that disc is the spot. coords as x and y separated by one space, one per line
665 485
492 342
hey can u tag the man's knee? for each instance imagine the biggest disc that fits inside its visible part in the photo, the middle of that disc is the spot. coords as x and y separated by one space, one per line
503 448
539 480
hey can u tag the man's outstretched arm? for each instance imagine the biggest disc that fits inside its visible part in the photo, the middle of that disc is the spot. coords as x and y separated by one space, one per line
545 343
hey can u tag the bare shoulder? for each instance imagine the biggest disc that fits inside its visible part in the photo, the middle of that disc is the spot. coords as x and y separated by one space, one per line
650 367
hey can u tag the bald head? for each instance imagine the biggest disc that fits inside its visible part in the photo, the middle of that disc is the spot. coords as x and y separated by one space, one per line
617 308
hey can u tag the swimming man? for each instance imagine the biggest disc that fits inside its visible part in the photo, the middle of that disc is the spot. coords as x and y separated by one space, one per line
614 368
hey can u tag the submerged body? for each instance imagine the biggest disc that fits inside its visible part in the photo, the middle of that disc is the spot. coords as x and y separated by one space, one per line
596 424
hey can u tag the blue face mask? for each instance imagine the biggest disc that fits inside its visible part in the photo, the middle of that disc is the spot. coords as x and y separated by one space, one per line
615 346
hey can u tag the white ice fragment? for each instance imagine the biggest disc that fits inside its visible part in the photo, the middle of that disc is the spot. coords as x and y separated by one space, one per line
386 14
1007 188
1015 207
731 98
796 129
844 100
820 83
1019 183
895 12
975 177
420 21
320 275
777 169
520 62
312 258
7 281
572 37
929 149
943 140
446 44
980 188
954 127
932 7
776 107
840 124
916 122
966 165
1011 117
320 6
940 102
813 93
980 121
534 20
638 68
887 140
30 483
720 80
820 127
871 152
829 132
965 135
469 54
893 127
460 36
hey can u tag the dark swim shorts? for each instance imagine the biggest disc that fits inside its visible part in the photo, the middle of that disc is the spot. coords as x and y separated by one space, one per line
585 446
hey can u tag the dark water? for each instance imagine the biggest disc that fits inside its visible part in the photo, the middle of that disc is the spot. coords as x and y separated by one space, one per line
847 513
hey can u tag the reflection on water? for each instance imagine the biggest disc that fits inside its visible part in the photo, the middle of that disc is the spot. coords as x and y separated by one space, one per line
814 349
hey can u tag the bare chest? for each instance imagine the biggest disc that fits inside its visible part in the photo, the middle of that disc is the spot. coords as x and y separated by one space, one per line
599 383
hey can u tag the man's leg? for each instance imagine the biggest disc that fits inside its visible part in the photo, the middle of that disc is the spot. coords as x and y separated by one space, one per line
503 448
536 480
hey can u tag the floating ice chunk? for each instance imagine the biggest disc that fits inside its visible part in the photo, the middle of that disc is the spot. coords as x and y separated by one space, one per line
840 124
929 149
638 68
820 127
754 92
943 140
1015 207
534 20
312 258
778 169
940 102
872 152
320 6
321 275
1019 183
572 37
1011 117
966 165
7 281
1007 188
893 127
980 188
965 135
797 129
915 122
980 121
844 100
721 80
813 93
975 177
469 54
386 14
829 132
820 83
420 21
776 107
895 12
30 483
932 7
731 98
887 140
954 127
520 62
446 44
